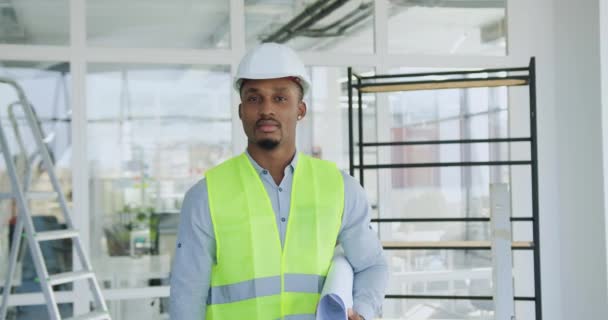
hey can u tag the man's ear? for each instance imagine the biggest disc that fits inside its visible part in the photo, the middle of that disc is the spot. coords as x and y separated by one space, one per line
240 116
302 109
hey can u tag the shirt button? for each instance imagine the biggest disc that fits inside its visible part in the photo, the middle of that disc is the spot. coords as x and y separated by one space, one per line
280 189
283 219
264 171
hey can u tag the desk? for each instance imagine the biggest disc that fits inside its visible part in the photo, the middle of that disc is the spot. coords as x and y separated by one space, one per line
130 272
124 272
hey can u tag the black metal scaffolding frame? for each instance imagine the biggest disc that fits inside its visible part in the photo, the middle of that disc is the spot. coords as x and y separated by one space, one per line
399 82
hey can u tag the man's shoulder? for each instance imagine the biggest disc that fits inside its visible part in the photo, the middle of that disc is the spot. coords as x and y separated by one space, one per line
350 183
197 190
319 163
225 164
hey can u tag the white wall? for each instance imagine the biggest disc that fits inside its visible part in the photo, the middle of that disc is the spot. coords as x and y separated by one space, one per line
564 35
579 159
531 34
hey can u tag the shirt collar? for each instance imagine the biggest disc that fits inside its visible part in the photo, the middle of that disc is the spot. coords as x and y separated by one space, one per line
260 170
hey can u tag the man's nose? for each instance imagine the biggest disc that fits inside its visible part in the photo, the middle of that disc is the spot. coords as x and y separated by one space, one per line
266 107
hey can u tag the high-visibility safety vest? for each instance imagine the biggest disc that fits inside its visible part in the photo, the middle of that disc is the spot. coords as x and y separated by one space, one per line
255 278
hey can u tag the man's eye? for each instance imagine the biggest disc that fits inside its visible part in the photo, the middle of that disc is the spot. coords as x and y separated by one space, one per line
280 99
252 99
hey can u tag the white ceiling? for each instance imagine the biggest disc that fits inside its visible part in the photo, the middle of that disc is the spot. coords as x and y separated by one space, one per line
437 27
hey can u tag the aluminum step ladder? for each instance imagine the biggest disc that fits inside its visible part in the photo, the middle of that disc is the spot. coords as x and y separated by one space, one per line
21 195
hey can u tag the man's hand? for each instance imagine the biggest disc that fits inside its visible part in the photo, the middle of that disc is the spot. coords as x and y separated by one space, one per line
353 315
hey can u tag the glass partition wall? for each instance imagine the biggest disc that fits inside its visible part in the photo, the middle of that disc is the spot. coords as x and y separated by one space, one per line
139 98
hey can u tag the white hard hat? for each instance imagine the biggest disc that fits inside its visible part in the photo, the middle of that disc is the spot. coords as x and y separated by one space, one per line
271 61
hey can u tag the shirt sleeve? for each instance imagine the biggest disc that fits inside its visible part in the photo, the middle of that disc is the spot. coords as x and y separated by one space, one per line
194 256
363 250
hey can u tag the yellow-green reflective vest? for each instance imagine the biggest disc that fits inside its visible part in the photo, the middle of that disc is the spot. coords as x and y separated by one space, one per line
254 277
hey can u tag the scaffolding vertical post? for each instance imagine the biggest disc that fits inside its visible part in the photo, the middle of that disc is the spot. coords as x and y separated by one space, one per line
351 152
360 116
535 208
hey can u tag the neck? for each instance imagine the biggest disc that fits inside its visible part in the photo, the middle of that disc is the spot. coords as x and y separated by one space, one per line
275 161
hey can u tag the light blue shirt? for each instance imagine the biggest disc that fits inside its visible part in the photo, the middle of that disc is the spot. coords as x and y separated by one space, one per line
195 253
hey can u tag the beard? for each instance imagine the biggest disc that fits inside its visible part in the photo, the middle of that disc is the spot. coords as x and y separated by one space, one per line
268 144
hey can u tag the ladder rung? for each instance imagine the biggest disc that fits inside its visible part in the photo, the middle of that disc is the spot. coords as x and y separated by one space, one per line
56 235
32 195
95 315
41 195
6 195
66 277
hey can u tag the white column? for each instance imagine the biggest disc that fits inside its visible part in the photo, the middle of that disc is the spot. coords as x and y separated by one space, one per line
383 119
325 113
604 64
237 46
502 256
80 173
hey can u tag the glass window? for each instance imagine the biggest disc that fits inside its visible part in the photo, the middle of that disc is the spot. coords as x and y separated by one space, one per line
311 25
439 309
478 113
450 273
46 86
447 27
158 24
325 126
38 22
523 273
153 130
328 115
525 310
456 193
439 272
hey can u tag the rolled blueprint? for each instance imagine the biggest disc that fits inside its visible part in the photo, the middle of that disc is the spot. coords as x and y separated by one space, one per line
337 293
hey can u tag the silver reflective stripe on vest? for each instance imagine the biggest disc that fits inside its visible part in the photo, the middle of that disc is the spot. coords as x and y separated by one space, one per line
244 290
300 317
308 283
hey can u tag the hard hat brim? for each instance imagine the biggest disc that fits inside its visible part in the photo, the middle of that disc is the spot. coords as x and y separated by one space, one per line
303 83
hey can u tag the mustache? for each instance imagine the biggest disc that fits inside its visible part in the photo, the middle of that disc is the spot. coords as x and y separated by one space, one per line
267 121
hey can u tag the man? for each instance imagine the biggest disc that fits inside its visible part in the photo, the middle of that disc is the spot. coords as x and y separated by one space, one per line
257 235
